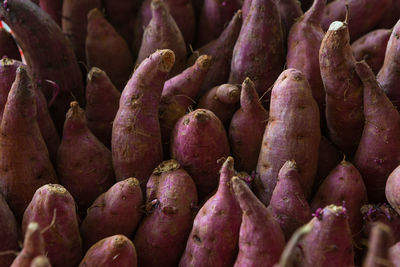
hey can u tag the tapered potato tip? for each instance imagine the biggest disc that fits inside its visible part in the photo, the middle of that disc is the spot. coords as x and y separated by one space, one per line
94 73
204 62
166 166
93 13
167 60
228 165
40 261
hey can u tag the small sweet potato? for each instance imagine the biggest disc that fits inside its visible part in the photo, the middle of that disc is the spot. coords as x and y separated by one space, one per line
8 47
112 251
117 211
171 199
394 254
9 233
392 189
40 261
379 243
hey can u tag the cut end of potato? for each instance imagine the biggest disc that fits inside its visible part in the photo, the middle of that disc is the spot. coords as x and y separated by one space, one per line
336 25
204 62
5 61
133 182
56 188
94 73
201 115
167 60
120 241
166 166
93 13
33 226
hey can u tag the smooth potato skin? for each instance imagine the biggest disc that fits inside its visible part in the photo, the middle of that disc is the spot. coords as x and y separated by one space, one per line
392 189
380 241
394 254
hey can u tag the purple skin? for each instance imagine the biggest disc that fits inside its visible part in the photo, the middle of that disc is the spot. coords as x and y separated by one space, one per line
261 240
292 133
215 15
112 251
136 135
179 93
288 204
388 76
163 33
344 108
84 164
33 246
24 163
198 143
246 128
372 47
391 16
171 201
107 50
49 58
118 211
40 261
290 11
343 186
74 23
393 189
394 254
259 50
303 50
102 103
8 47
220 216
330 242
359 10
380 241
8 234
223 110
220 50
378 153
53 208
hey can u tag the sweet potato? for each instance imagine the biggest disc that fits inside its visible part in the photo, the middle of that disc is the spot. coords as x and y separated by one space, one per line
359 10
107 50
198 142
392 189
329 243
24 160
53 208
391 15
388 74
48 58
179 93
53 8
220 50
343 88
8 47
304 41
258 230
102 102
379 243
259 50
74 23
247 127
171 199
213 240
9 233
371 47
394 254
293 127
343 186
222 101
163 33
40 261
288 204
33 246
84 164
290 11
378 153
136 136
117 211
113 251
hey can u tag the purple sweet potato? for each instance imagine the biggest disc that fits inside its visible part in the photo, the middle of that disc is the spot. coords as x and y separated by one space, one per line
8 234
304 41
171 199
40 261
107 50
343 186
292 132
220 50
53 8
388 76
246 128
24 159
74 23
371 47
359 10
290 11
259 50
258 230
394 254
222 101
378 153
343 88
102 102
136 136
179 94
198 142
392 189
329 243
53 208
288 204
117 211
215 14
8 47
213 240
163 33
33 246
391 15
379 243
84 164
112 251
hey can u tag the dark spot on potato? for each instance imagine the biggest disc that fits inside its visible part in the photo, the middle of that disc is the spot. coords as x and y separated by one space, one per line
196 238
186 121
